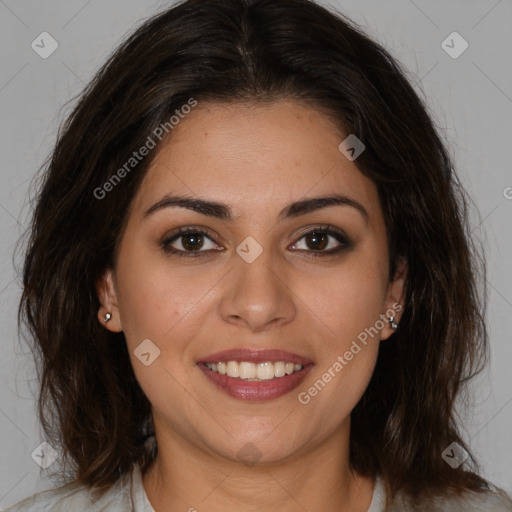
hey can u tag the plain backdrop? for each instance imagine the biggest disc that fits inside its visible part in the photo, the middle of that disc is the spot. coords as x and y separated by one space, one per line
470 98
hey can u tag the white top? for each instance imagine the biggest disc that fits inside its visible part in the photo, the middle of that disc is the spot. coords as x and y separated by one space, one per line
128 495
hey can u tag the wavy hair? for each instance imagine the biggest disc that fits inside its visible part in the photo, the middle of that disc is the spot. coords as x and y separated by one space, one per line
90 403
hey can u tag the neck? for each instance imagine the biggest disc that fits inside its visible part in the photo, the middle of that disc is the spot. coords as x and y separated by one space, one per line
186 477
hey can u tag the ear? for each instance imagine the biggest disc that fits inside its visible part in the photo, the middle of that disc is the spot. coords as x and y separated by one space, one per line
107 296
394 302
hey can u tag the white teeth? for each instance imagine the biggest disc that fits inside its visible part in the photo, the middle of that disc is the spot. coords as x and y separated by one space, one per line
265 371
252 371
247 370
280 369
233 369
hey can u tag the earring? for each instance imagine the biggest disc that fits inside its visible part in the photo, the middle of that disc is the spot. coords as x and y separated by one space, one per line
107 317
394 325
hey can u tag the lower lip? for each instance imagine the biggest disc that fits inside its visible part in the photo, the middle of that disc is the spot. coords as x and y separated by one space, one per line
256 390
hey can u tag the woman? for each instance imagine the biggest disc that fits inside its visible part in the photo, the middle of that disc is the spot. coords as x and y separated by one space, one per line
249 279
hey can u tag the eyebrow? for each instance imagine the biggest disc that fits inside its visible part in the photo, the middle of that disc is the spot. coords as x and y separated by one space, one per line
223 211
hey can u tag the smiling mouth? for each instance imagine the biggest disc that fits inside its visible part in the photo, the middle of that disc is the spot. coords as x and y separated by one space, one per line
255 372
255 381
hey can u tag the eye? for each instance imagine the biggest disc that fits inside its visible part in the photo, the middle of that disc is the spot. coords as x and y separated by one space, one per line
191 242
322 241
196 242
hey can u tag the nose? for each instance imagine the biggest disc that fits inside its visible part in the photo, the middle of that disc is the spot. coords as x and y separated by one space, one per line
257 295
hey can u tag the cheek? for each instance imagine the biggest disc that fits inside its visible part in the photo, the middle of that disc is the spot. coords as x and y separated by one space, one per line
347 314
154 298
162 306
348 301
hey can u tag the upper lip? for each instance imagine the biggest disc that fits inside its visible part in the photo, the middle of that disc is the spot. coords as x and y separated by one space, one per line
253 355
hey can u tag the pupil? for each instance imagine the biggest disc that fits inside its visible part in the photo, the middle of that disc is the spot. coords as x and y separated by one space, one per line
320 239
193 241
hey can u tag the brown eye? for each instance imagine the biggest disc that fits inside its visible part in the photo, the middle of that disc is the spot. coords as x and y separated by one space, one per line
189 242
316 240
322 242
192 241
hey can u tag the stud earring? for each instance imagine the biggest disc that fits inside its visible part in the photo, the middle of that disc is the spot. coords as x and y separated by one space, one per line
107 317
394 325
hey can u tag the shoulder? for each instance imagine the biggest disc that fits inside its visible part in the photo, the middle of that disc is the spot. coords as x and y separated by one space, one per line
495 500
75 496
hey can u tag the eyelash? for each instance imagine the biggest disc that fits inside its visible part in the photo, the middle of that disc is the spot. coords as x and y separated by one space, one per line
325 229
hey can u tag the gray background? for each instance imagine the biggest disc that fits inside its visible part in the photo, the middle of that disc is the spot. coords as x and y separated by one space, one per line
470 98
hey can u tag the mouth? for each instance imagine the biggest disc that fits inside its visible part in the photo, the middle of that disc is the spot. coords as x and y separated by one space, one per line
255 375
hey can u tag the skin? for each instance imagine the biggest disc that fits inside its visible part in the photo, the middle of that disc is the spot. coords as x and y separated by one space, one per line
257 159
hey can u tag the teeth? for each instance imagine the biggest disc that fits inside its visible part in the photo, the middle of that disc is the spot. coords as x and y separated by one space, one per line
265 371
280 369
233 369
246 370
254 371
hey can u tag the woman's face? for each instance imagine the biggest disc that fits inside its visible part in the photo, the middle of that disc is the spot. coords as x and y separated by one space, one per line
253 281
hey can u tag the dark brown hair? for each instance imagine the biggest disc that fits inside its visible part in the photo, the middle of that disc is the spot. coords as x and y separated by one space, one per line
90 402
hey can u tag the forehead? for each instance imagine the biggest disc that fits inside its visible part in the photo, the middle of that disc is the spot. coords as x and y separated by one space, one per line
253 156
